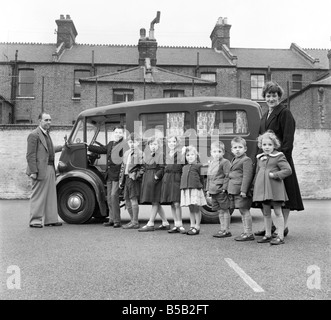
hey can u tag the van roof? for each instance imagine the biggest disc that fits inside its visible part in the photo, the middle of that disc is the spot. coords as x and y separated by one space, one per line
169 101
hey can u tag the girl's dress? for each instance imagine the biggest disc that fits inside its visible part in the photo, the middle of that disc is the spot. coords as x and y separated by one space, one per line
191 185
266 189
170 191
150 187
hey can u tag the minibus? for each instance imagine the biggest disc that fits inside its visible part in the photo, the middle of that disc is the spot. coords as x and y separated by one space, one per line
81 186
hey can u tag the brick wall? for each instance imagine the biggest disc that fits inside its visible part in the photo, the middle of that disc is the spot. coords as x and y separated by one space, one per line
312 152
14 183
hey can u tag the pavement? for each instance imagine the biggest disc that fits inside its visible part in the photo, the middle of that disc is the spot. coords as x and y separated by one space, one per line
80 262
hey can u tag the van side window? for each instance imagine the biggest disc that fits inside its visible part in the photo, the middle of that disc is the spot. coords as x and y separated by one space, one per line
164 124
213 123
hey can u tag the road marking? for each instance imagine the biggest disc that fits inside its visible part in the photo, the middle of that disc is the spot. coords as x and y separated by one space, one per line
244 275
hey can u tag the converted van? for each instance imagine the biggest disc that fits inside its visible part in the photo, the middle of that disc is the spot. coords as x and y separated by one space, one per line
81 187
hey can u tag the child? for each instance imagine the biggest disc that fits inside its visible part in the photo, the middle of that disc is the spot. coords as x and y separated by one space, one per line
170 191
151 183
191 185
217 183
130 179
272 168
240 179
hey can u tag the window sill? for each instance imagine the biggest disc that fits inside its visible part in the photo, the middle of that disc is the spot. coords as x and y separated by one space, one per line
25 98
75 99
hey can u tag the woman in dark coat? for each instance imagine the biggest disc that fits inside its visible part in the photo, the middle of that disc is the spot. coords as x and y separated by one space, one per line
280 120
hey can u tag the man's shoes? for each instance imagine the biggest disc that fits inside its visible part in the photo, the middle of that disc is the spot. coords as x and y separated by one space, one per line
245 237
146 228
36 226
163 227
108 224
55 224
117 225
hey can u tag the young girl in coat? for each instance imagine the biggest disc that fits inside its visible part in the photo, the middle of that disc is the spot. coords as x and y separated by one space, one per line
170 191
269 189
151 183
191 185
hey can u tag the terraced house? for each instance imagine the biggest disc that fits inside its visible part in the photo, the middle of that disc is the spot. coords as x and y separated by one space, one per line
66 77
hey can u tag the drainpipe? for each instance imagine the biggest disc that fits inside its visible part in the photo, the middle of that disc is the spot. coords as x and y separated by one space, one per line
14 80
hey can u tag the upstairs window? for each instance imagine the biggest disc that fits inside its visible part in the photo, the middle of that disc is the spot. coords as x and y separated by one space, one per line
296 82
78 75
209 76
25 82
257 84
124 95
173 93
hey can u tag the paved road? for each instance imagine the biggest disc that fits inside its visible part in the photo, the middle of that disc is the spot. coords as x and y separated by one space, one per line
93 262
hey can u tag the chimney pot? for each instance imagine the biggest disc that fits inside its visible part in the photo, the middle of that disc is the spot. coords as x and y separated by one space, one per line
61 16
142 33
68 17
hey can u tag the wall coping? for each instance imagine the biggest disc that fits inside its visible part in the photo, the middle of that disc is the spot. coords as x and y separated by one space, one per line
4 127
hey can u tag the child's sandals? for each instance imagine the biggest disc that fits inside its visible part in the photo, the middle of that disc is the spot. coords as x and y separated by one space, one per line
277 241
265 239
193 231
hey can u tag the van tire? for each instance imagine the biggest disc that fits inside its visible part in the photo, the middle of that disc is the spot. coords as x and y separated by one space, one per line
76 202
210 216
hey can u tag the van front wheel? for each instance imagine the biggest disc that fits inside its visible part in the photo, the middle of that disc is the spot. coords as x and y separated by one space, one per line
208 215
76 202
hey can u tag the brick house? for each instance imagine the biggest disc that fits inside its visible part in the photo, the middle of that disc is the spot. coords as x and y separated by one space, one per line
66 77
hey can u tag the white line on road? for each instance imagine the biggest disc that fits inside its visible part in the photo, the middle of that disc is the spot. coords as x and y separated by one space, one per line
244 276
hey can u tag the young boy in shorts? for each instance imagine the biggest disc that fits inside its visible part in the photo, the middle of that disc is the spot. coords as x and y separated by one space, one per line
240 179
217 183
130 179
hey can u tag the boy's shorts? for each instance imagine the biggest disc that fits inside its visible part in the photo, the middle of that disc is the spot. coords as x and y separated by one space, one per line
131 188
220 201
238 202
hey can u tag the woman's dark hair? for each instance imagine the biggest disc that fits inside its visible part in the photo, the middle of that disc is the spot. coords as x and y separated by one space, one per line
272 87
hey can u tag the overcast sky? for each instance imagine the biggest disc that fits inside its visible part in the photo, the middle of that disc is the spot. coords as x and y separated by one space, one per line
255 23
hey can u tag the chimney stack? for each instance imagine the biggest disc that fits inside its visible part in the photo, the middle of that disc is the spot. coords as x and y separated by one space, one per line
147 46
221 34
66 31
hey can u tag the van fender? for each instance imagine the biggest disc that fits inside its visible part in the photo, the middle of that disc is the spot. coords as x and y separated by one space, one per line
92 179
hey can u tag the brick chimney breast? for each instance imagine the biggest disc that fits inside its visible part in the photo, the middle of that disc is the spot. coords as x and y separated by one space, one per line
220 34
66 31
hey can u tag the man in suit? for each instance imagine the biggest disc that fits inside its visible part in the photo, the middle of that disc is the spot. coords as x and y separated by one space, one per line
40 158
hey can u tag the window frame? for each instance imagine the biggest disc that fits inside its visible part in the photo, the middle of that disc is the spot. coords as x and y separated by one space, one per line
173 91
258 88
125 92
77 85
218 116
209 74
29 86
296 82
